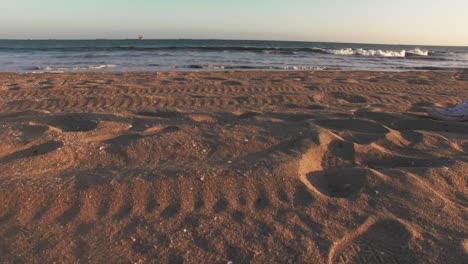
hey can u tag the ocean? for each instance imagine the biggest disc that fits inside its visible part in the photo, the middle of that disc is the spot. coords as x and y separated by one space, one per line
198 55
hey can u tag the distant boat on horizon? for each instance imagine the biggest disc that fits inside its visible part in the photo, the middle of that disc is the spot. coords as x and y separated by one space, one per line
140 37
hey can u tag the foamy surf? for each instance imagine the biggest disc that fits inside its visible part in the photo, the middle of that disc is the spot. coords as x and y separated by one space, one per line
378 53
69 68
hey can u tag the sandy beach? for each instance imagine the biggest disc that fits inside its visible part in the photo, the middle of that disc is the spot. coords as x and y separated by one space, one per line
232 167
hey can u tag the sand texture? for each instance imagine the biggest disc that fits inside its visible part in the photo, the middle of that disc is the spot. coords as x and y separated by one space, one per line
240 167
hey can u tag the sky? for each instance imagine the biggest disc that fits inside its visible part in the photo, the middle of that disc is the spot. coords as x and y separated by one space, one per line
421 22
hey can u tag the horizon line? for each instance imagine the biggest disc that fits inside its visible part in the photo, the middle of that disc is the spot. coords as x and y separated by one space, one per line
226 39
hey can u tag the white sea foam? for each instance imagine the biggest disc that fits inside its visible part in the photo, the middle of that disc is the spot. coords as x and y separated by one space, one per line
76 68
420 52
342 52
378 53
97 67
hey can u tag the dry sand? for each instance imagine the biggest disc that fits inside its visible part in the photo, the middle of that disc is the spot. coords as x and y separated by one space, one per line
262 167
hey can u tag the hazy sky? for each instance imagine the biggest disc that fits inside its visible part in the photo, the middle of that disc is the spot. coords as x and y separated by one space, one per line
372 21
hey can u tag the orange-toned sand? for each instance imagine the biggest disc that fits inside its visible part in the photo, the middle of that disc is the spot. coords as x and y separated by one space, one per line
262 167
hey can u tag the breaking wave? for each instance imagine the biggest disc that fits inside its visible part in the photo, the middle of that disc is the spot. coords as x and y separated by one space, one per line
378 53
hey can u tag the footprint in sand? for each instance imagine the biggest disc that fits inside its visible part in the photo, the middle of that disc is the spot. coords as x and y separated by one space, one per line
430 125
386 241
71 123
51 156
340 183
27 132
36 150
354 125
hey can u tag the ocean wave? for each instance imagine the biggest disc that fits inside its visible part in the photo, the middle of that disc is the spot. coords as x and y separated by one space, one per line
378 53
69 68
419 52
265 50
257 67
160 48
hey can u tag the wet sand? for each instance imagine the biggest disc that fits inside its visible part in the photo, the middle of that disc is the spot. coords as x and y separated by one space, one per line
212 167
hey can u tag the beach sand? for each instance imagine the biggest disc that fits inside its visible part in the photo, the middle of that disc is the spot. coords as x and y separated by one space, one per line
232 167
